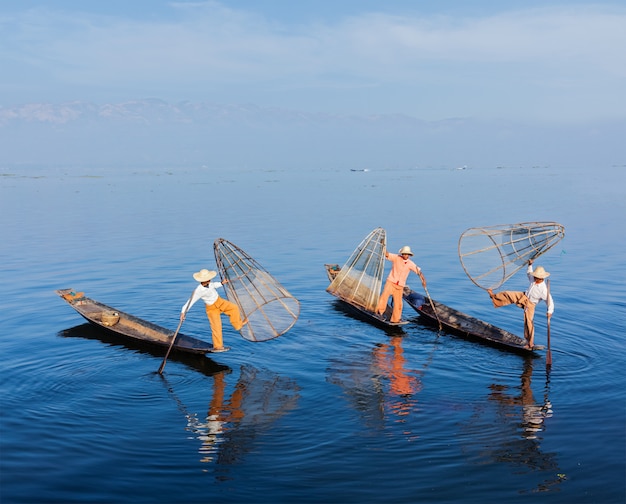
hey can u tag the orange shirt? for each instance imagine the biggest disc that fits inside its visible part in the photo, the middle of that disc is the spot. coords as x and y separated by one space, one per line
400 269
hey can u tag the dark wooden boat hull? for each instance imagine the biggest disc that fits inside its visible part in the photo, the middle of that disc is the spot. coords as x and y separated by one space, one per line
382 321
465 325
129 326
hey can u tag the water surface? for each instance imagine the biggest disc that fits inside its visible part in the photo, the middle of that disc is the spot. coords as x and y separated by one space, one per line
336 410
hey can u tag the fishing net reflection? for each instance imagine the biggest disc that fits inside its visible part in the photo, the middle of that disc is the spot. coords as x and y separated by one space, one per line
238 415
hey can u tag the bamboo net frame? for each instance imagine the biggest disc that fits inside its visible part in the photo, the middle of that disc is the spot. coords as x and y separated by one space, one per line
360 279
491 255
270 309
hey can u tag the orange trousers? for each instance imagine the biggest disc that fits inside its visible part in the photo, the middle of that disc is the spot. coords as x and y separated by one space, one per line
505 298
395 291
214 312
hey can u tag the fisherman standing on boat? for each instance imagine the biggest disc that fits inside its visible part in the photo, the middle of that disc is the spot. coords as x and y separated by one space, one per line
215 306
537 291
401 266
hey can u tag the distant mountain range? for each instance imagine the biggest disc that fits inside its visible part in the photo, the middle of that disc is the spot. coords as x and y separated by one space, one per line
155 132
155 112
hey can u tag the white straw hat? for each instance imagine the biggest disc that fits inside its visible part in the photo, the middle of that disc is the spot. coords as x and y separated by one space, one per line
405 250
204 275
540 272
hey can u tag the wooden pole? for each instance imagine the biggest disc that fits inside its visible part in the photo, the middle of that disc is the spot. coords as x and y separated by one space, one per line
432 305
549 354
162 366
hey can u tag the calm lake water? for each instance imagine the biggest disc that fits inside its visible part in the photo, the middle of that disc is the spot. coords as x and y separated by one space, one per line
336 410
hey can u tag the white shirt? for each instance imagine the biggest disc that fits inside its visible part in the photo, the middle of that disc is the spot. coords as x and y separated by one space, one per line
538 291
208 294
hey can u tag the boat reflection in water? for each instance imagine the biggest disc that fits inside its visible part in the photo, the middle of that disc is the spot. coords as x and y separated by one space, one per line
196 362
238 414
381 389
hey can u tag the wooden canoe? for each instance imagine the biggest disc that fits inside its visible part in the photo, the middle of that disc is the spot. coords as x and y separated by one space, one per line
384 321
128 326
465 325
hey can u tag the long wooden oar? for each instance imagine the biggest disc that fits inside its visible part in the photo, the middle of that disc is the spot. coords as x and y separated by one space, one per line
173 339
432 305
549 354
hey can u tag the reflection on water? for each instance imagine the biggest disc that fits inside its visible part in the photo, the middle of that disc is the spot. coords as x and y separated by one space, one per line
381 389
532 413
523 446
235 418
197 362
403 384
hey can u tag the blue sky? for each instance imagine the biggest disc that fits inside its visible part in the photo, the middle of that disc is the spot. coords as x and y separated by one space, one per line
525 60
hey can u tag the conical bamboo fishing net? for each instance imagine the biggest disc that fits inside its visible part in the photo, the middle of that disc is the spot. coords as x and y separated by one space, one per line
492 255
360 279
270 309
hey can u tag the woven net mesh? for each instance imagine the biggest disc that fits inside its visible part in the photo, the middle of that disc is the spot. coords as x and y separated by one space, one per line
491 255
360 279
270 309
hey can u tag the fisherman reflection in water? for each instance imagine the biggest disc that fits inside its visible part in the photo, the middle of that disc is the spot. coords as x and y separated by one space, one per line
403 384
215 306
533 413
401 266
236 417
219 415
537 291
